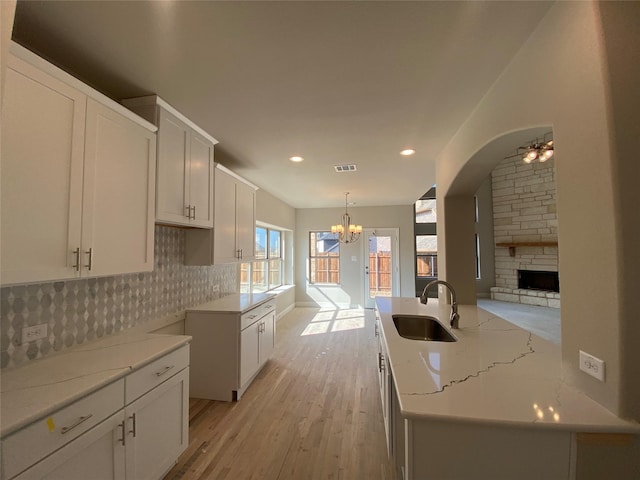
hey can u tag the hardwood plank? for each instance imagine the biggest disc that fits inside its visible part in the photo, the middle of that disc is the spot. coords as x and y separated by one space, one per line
313 412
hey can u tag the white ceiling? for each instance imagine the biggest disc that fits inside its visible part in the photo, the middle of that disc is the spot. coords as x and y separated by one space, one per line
335 82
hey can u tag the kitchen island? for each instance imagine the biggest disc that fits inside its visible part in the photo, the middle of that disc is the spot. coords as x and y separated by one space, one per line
493 404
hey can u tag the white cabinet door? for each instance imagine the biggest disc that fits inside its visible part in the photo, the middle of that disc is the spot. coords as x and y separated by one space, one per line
249 352
158 429
245 221
42 161
173 178
119 193
98 454
201 181
224 232
267 337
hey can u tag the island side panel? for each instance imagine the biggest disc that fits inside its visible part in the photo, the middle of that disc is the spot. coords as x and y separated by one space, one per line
453 450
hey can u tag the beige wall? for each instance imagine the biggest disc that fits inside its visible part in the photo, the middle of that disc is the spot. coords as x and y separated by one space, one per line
557 80
272 211
350 292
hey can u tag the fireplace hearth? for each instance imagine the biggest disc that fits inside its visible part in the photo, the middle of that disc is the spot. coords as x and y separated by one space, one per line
539 280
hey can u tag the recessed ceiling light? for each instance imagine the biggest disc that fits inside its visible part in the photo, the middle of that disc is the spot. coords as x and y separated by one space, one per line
407 151
296 158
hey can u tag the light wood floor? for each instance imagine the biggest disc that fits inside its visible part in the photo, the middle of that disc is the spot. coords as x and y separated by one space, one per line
312 413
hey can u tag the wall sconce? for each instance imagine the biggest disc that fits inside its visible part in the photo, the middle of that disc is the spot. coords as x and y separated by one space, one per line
347 232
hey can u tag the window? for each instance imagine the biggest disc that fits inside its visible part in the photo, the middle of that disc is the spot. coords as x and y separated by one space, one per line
426 239
265 273
426 255
426 210
324 257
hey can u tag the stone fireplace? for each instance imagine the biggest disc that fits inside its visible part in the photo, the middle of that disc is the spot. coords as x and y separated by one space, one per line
525 232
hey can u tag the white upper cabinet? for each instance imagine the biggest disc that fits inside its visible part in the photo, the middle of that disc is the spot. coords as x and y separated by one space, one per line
77 178
184 165
233 237
119 194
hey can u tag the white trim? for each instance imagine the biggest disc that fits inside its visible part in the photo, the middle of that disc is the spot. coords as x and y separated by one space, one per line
224 169
156 100
285 311
40 63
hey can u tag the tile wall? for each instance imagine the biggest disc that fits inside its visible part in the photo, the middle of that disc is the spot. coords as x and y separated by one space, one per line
77 311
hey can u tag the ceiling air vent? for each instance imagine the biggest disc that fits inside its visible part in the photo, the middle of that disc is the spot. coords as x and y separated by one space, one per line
345 168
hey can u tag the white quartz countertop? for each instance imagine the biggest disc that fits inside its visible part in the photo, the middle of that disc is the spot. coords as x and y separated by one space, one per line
235 303
495 373
33 391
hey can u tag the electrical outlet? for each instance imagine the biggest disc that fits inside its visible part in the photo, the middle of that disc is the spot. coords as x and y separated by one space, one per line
31 334
592 365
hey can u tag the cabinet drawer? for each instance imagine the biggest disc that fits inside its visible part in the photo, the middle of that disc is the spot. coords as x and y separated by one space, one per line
257 313
27 446
152 375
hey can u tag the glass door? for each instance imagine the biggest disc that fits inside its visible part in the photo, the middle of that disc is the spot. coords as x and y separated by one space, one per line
381 267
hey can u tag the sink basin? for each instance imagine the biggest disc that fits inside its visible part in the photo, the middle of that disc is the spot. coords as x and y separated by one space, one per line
422 327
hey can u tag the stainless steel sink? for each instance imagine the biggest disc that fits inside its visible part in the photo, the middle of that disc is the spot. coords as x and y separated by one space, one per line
422 327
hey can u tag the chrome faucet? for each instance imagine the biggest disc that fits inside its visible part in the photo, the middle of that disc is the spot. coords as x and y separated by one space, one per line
453 320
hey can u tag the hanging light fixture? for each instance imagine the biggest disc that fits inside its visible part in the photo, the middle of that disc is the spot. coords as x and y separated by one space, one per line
347 232
536 150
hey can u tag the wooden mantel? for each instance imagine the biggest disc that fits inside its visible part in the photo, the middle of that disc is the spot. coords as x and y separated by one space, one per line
512 245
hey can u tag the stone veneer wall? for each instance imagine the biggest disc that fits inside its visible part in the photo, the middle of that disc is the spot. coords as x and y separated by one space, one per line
77 311
524 210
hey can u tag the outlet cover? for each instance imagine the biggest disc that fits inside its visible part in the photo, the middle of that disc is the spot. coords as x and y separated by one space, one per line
592 365
36 332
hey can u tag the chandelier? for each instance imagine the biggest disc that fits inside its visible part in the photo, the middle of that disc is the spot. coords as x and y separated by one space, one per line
347 232
535 150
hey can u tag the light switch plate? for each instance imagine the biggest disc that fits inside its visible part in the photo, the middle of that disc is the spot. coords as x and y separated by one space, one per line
592 365
36 332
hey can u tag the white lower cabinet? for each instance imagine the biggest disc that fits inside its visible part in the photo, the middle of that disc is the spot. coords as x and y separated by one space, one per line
103 436
228 349
97 455
157 429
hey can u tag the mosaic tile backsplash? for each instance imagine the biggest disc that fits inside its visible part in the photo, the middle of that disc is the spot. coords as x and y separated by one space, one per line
77 311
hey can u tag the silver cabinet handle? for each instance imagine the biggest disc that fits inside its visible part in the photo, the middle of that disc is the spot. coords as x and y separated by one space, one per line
188 208
133 430
78 422
90 264
376 330
194 212
164 370
76 252
122 440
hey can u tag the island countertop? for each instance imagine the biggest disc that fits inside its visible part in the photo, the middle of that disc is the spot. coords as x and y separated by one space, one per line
495 373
